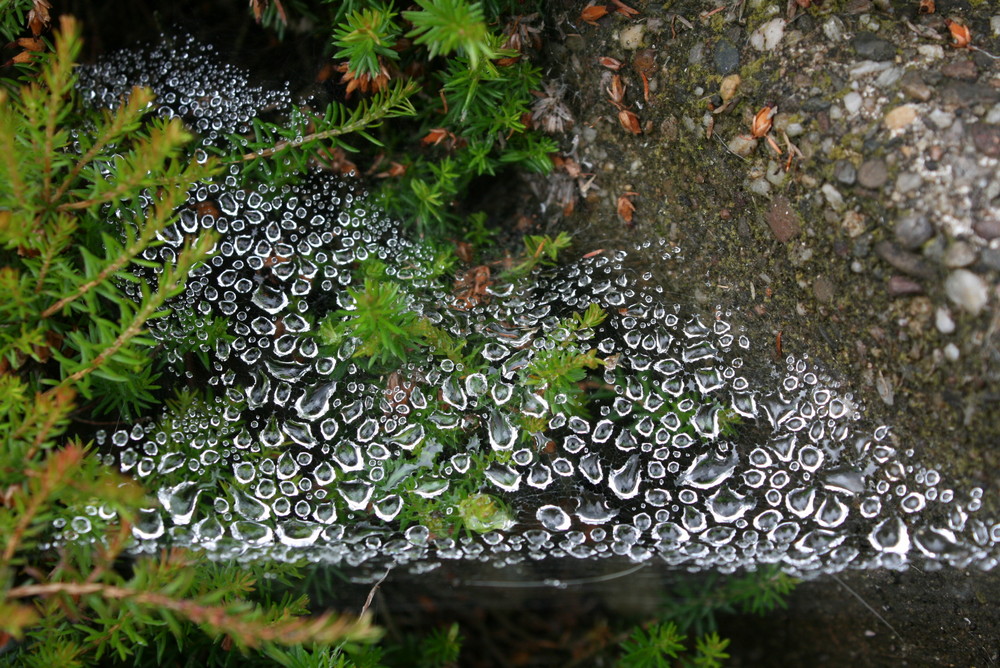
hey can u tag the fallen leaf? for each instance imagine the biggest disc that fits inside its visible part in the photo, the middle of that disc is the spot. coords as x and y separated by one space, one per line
592 13
629 121
625 206
960 34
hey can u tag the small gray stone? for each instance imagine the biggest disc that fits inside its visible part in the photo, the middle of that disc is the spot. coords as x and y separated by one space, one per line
908 182
912 230
873 173
967 290
867 45
987 228
952 353
991 258
906 262
959 254
845 172
726 57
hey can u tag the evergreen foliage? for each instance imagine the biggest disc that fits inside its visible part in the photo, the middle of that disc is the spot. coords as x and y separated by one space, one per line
81 196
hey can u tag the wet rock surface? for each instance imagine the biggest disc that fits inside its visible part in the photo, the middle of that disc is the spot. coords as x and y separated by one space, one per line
860 85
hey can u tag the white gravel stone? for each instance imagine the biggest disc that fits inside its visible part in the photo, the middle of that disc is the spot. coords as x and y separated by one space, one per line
767 36
967 290
889 77
993 115
931 51
995 25
943 320
951 352
833 197
941 118
852 102
833 28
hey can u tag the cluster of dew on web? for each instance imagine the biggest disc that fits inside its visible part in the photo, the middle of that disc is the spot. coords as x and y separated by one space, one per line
293 449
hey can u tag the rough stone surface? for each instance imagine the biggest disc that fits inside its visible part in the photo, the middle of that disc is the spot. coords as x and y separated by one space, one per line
867 45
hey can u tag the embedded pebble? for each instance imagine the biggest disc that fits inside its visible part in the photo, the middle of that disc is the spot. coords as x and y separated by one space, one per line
824 290
961 69
783 220
631 37
943 320
726 57
833 197
931 51
951 352
900 117
959 254
867 45
908 182
845 172
906 262
967 290
986 138
852 102
742 145
873 173
912 230
833 28
901 286
987 228
913 86
767 36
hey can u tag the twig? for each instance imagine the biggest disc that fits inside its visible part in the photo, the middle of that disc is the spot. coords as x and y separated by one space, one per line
371 594
870 608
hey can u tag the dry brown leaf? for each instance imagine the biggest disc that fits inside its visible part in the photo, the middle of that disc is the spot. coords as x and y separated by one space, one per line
592 13
960 34
629 121
625 206
38 17
610 63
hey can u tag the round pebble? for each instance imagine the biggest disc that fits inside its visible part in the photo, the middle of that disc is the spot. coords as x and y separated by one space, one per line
873 173
967 290
951 352
959 254
913 230
987 228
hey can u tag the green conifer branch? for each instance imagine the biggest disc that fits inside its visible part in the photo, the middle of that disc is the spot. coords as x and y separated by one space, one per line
170 282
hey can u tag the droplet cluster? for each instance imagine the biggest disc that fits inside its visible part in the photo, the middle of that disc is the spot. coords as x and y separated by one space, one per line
288 446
